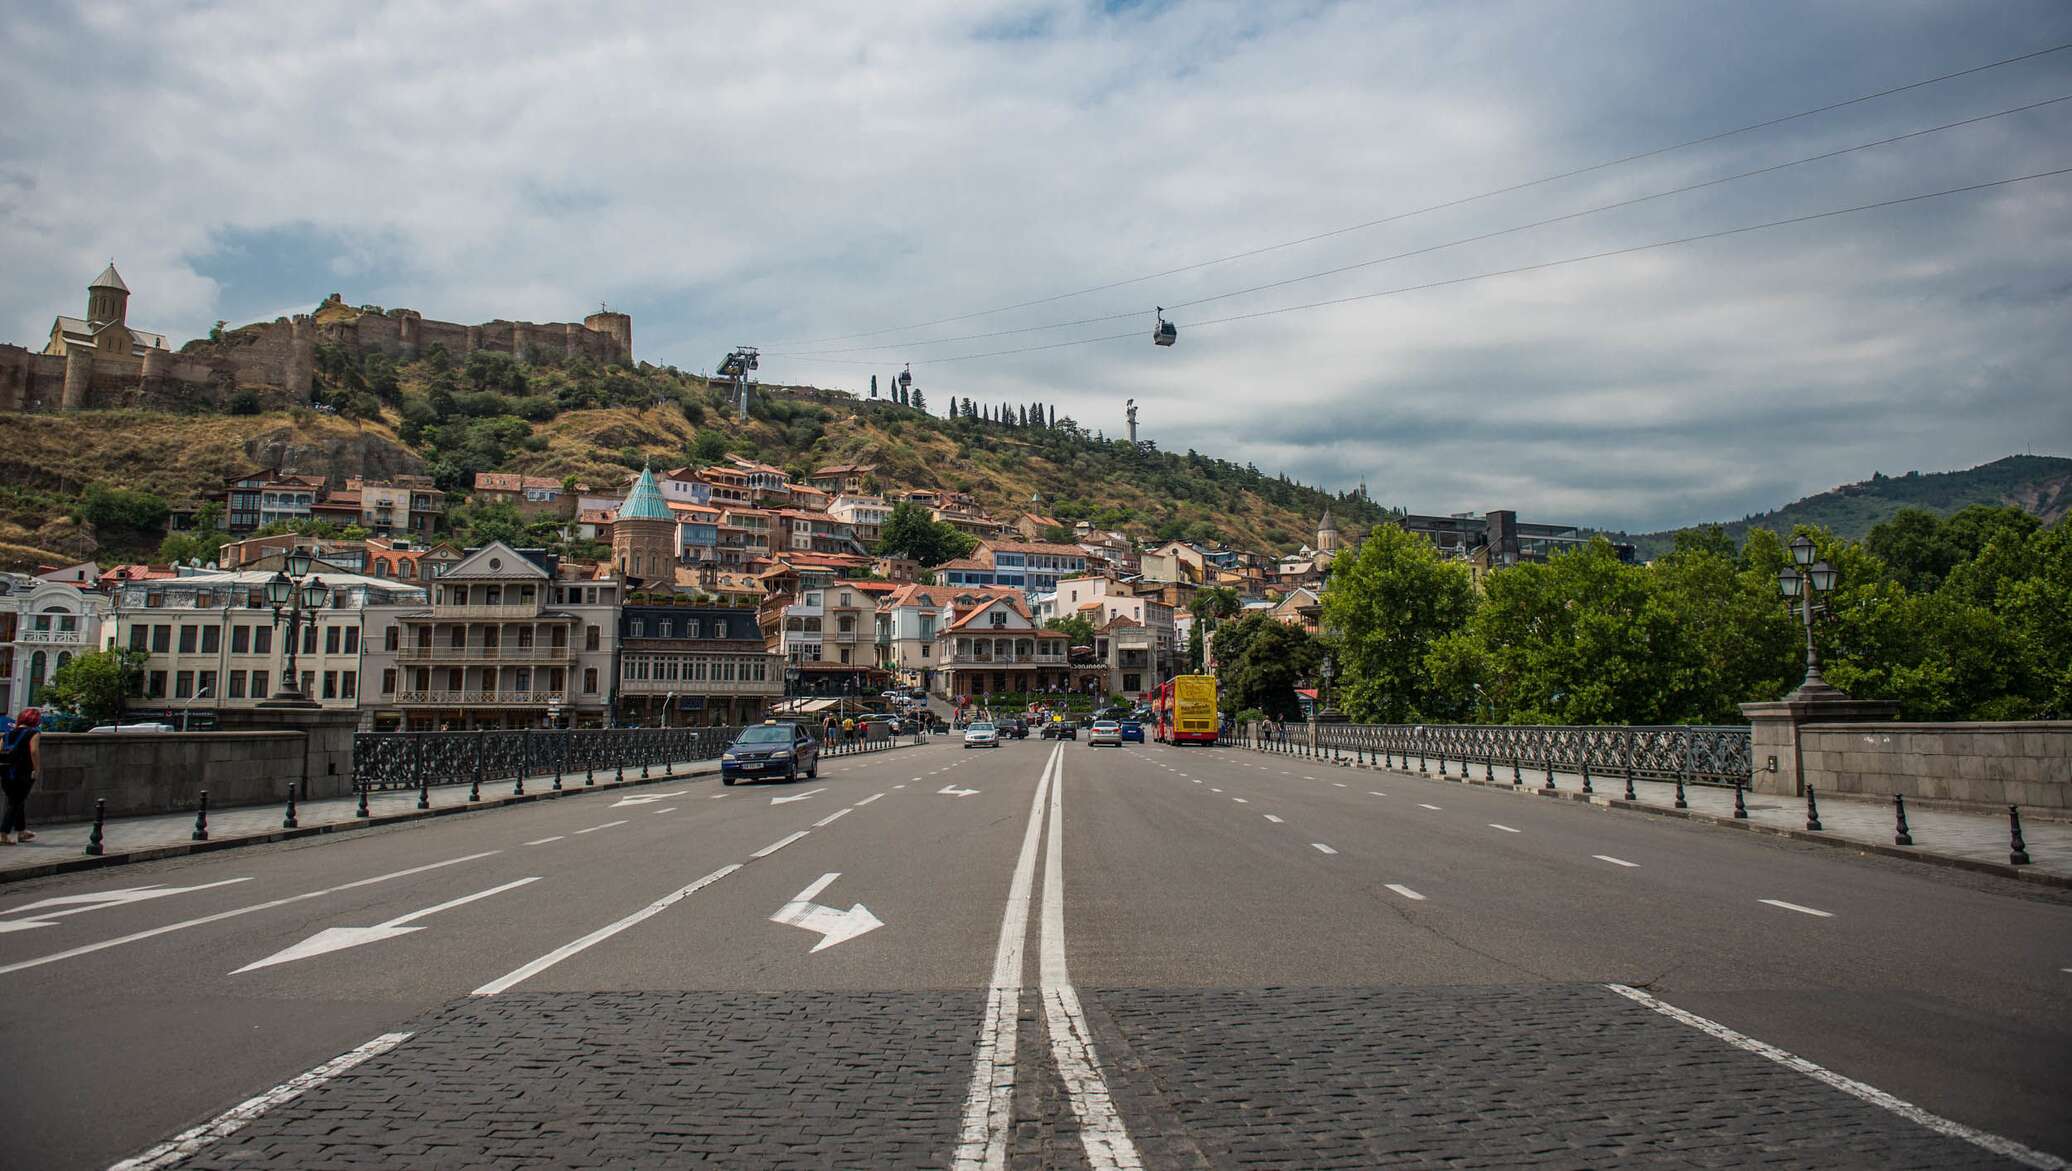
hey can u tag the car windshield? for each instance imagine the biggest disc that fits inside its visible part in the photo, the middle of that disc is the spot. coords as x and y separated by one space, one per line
1106 726
766 734
982 727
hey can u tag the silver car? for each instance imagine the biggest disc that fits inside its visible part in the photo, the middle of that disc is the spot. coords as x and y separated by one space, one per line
982 736
1104 732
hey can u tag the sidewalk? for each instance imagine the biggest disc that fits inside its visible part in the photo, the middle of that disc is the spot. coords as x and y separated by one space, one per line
1971 841
61 846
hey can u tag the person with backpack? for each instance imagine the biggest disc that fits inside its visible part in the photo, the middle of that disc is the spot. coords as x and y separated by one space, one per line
20 758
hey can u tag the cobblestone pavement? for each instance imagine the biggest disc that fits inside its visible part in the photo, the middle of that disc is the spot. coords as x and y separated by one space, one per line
1540 1076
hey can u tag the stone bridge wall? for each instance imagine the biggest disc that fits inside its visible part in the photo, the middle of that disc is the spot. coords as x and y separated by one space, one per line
1989 765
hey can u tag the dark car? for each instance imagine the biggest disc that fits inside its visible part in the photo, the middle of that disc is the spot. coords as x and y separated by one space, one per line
1132 730
770 749
1016 727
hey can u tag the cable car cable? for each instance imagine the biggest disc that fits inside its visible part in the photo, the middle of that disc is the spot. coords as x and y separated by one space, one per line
1452 203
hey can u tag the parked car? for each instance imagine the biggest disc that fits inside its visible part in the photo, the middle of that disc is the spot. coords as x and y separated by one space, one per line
1016 727
1060 730
1104 732
770 749
1132 730
981 735
114 728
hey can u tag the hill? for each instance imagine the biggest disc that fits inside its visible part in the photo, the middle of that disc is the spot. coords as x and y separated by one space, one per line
2037 484
577 419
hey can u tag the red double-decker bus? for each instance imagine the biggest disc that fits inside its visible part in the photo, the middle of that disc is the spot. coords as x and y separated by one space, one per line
1183 710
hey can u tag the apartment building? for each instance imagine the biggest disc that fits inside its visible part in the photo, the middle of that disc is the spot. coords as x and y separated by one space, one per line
684 665
993 645
408 505
844 479
212 642
506 641
535 497
912 615
865 516
43 626
1033 567
824 627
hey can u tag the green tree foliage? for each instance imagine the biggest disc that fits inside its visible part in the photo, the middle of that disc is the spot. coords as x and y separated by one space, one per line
710 447
1081 630
479 524
193 545
1387 607
94 684
1195 653
1262 662
244 402
911 531
107 507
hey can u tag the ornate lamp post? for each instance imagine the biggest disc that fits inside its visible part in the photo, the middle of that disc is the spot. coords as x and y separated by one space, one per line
1803 582
295 602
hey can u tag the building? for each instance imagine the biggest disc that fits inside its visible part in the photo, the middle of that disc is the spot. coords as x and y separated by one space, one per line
212 641
401 560
865 516
844 479
1034 526
824 627
1143 647
410 506
1174 561
913 615
1498 539
535 497
347 555
506 642
690 665
43 626
991 644
644 536
1032 567
288 499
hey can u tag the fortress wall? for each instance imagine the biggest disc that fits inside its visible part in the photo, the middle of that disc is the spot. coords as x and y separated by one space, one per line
30 381
384 334
443 333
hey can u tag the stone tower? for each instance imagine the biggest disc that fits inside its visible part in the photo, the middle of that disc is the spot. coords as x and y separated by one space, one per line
107 301
616 326
1327 533
644 536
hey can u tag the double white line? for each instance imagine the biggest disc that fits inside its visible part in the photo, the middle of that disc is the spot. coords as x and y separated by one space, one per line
989 1105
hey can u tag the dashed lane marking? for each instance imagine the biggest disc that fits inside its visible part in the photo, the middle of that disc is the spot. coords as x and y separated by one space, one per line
566 950
779 844
1616 861
1433 808
668 809
1406 892
1322 848
1270 817
1373 793
1795 907
607 825
1507 829
1214 789
1338 784
544 841
868 800
831 818
1240 800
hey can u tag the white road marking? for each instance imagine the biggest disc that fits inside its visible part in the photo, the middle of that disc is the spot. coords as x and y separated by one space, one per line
1795 907
1422 805
544 841
833 926
234 912
1101 1129
666 809
1240 800
988 1104
649 798
715 796
1372 793
1270 817
799 797
954 791
64 905
187 1143
1507 829
903 786
1406 892
1338 784
1215 790
593 829
1322 848
1192 779
332 939
779 844
534 968
2004 1147
1616 861
830 818
868 800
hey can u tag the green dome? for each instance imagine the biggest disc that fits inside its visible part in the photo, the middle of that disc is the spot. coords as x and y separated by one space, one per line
645 501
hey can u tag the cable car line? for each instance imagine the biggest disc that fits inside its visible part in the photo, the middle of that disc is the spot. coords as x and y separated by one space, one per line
1638 199
1482 276
1452 203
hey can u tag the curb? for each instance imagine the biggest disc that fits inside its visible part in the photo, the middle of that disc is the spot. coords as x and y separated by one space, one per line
487 804
1909 853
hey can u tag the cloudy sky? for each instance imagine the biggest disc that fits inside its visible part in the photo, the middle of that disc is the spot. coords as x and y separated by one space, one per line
779 174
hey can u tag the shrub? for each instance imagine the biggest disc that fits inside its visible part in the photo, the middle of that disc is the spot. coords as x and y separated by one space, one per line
245 402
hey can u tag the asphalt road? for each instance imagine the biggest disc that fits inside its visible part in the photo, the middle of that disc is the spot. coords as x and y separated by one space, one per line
1038 956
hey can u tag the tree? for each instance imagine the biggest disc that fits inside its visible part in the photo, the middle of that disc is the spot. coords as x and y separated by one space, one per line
920 401
482 523
107 507
1273 660
94 684
1195 657
710 447
1386 607
244 402
1076 625
194 545
912 532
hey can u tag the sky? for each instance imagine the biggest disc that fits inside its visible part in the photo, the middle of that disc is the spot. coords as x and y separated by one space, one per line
781 175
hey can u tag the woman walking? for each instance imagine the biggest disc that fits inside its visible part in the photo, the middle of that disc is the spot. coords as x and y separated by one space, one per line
19 760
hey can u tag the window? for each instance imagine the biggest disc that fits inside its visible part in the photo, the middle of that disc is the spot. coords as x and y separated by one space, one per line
183 685
636 628
925 648
391 638
188 634
589 681
309 682
352 640
388 681
237 685
349 685
309 639
155 689
140 637
330 685
999 618
262 644
206 686
240 640
690 628
590 638
211 639
331 636
845 654
161 639
259 683
720 629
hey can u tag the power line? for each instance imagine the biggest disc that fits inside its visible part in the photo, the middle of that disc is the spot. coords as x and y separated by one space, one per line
1482 276
1431 248
1452 203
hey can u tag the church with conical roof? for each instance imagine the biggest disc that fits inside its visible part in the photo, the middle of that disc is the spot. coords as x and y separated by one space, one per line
644 535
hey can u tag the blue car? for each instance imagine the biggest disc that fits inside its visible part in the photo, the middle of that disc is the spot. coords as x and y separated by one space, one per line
1132 730
770 749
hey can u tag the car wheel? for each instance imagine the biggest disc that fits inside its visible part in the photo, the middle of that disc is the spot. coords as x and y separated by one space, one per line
791 774
724 779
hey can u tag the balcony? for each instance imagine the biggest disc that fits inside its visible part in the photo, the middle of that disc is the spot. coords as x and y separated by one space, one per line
976 660
485 654
487 610
773 686
51 637
850 636
482 698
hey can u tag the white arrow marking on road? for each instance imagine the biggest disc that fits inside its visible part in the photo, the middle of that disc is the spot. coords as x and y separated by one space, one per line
76 904
338 938
800 797
954 791
648 798
834 926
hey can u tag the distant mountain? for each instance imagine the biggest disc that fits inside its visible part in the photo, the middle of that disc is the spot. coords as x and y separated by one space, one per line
2038 484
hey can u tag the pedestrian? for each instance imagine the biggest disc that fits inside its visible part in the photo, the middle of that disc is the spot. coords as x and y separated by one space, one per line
848 727
20 758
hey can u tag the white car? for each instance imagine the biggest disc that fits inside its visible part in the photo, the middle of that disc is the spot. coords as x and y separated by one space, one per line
982 736
1104 732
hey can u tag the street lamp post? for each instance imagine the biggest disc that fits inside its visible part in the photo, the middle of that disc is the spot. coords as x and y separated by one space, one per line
1803 582
295 602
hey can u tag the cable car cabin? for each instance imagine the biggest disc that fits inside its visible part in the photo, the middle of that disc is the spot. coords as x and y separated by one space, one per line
1164 333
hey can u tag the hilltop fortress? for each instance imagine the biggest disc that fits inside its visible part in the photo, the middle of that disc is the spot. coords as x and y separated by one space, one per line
101 360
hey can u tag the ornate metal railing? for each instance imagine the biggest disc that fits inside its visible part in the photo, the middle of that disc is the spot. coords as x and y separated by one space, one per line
1696 753
406 760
